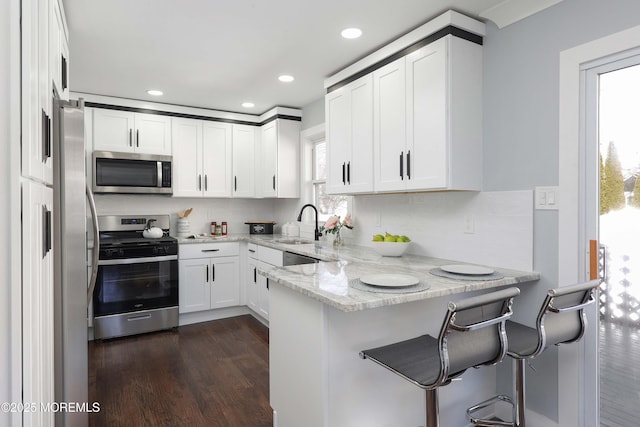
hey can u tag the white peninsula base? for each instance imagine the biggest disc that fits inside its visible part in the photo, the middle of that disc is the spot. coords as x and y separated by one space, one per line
317 378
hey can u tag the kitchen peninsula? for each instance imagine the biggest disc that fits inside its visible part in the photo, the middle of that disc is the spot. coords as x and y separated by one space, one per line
319 322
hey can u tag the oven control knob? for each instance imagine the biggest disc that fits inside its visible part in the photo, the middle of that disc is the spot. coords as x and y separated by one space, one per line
120 252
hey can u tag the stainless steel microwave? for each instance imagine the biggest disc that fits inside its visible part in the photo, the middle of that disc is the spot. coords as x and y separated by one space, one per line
131 173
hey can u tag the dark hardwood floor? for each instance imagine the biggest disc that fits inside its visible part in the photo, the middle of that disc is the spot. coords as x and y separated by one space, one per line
209 374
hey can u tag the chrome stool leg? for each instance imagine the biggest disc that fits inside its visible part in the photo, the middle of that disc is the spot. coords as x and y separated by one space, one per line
518 374
483 422
432 408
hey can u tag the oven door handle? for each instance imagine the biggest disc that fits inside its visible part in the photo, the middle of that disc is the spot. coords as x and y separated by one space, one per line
96 243
137 260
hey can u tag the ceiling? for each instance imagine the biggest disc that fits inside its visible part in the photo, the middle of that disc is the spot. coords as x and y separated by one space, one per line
217 54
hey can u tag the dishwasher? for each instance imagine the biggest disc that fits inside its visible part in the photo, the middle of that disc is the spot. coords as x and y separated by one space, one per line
265 258
289 258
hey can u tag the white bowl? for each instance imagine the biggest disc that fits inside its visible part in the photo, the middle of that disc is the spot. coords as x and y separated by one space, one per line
390 248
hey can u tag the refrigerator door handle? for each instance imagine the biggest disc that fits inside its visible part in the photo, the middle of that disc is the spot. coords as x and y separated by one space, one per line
96 244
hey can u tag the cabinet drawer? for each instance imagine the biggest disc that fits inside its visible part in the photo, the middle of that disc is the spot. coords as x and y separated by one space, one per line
252 250
270 256
209 250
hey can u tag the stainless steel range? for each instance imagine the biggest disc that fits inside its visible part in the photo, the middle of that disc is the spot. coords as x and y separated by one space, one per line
137 285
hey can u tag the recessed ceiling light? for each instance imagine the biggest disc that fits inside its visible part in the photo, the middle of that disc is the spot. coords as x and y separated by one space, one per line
286 78
351 33
154 92
248 104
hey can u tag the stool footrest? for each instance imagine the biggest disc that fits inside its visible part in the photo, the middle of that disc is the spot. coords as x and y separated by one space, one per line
482 422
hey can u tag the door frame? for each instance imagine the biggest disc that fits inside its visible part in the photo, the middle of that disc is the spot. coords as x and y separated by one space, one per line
577 364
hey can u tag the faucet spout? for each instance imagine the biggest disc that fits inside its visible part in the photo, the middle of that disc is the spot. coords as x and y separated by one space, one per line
317 232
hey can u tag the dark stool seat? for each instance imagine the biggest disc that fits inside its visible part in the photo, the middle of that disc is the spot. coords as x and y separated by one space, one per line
561 320
472 334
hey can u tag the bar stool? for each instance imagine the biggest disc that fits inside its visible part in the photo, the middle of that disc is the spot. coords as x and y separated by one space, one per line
472 334
561 320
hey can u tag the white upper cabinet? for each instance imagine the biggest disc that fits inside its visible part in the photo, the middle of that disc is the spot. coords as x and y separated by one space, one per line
244 147
349 133
412 110
124 131
217 148
186 137
58 52
279 165
428 119
37 99
201 158
389 126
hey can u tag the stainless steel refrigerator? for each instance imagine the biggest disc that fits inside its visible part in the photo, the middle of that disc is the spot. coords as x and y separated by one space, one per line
73 205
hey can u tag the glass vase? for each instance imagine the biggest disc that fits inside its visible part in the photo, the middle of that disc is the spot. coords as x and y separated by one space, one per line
337 239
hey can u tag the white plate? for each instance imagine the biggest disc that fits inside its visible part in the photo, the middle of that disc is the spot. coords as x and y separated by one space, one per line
471 270
390 280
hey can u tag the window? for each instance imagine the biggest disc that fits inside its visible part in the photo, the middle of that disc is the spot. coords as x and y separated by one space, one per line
327 204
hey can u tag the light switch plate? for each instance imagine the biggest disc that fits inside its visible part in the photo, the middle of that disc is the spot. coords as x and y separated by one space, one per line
546 198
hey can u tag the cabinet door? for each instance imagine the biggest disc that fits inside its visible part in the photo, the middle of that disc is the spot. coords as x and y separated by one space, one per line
288 163
194 279
252 284
225 285
56 35
37 293
263 291
389 133
360 157
113 130
216 159
338 140
243 161
36 110
268 165
152 134
186 137
427 160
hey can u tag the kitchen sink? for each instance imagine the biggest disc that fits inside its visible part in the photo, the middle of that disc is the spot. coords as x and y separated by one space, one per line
294 241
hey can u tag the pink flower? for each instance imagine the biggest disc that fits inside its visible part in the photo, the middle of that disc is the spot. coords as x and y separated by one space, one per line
348 222
332 222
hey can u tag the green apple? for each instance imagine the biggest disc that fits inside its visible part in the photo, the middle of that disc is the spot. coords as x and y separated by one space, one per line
378 238
390 238
403 239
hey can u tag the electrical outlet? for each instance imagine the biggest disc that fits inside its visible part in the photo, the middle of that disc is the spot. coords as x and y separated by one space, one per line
469 224
378 219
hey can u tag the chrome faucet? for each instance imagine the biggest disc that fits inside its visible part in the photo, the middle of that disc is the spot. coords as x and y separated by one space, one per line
317 232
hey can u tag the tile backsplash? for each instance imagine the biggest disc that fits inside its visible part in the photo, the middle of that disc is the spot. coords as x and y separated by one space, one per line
493 228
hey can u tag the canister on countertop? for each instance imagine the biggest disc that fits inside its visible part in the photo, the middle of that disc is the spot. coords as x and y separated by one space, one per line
213 228
218 230
224 228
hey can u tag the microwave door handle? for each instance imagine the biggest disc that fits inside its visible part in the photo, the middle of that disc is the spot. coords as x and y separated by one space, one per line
159 167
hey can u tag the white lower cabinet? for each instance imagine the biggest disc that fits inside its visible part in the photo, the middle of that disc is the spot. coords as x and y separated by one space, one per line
252 277
264 259
37 290
208 276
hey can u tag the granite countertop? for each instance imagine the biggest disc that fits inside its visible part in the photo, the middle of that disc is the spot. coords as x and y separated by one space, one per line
329 280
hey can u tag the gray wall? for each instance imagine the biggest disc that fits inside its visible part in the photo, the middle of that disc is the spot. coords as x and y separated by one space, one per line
313 114
521 99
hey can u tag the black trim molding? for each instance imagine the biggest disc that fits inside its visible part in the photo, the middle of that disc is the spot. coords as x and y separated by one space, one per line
449 30
189 116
